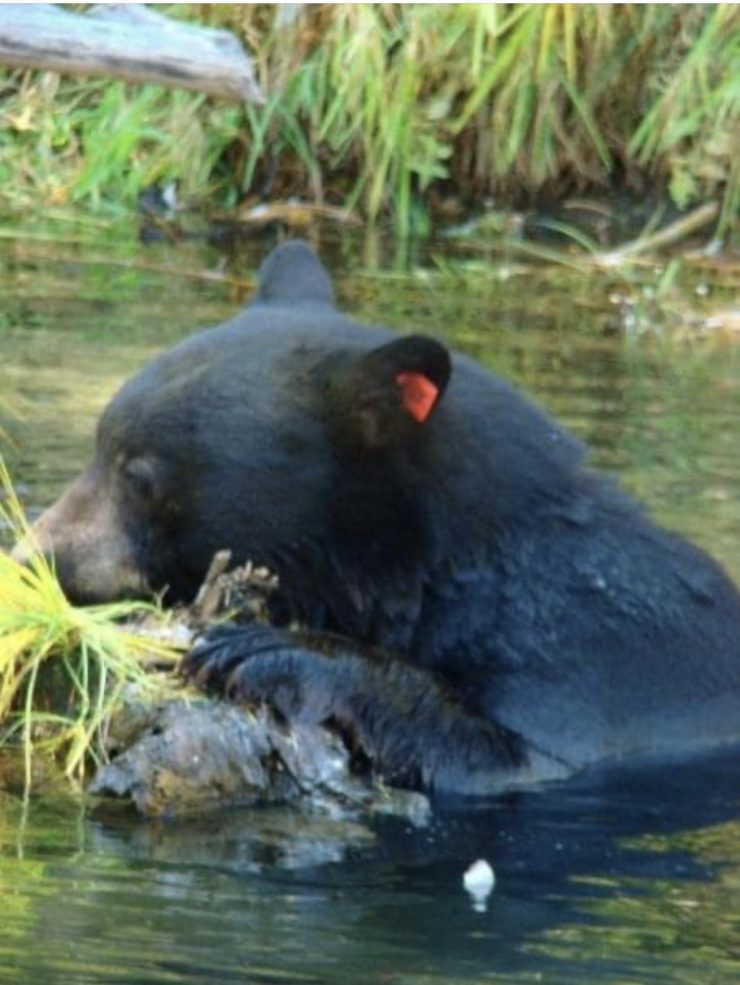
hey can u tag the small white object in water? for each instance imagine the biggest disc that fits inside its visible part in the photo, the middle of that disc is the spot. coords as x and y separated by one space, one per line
479 881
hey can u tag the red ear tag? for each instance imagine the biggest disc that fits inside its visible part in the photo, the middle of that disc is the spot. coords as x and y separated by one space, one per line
418 394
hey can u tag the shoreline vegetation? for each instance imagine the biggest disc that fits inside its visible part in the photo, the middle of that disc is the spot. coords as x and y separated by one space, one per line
413 116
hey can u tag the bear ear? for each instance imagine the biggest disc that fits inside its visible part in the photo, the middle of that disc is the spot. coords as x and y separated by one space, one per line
293 274
391 393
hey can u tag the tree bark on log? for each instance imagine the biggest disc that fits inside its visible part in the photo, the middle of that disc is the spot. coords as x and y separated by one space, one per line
127 42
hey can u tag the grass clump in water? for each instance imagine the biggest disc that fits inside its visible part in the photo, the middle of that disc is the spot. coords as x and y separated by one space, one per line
63 667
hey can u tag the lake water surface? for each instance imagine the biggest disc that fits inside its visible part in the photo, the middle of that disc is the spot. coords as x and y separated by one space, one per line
632 877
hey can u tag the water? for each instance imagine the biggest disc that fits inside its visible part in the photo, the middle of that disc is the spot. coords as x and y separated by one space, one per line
625 878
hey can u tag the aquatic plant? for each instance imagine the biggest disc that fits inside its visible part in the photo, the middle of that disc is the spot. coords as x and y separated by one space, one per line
392 108
62 667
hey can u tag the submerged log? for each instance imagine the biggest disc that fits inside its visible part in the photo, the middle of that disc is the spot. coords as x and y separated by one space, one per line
130 42
185 754
189 755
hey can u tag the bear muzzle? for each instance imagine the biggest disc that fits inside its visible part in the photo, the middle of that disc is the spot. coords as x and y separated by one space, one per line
84 537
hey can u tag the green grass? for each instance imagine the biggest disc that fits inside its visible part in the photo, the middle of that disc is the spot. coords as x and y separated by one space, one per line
62 667
385 106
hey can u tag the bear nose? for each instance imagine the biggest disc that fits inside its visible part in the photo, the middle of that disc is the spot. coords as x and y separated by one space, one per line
84 533
28 546
38 539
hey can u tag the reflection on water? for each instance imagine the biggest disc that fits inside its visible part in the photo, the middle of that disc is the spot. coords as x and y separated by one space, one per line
627 878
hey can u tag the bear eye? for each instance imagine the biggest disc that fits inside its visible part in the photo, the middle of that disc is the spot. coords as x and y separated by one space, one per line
140 478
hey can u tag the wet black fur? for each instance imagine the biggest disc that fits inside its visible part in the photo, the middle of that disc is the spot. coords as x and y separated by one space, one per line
532 619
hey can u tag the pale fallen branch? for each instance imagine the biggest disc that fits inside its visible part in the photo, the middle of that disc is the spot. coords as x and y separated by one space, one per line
672 233
130 42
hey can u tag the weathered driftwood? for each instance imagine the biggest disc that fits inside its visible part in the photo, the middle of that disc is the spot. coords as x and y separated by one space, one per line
186 754
126 41
190 755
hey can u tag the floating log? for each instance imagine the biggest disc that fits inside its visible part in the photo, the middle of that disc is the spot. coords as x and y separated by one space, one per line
130 42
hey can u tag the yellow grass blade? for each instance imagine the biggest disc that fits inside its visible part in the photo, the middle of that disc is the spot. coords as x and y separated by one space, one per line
90 649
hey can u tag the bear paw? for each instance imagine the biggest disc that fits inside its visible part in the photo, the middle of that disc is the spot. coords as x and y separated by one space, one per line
257 663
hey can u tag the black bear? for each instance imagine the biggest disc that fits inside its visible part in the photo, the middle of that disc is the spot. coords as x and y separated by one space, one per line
477 608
